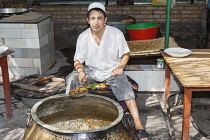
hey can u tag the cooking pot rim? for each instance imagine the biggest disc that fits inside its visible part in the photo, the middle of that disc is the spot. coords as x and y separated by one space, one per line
49 127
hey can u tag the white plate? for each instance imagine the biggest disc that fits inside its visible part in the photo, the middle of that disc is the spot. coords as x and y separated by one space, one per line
3 49
177 52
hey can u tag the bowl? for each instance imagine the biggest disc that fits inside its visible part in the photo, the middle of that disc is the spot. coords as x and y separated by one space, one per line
3 49
142 31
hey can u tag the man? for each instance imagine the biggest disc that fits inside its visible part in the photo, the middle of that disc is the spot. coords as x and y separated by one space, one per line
101 55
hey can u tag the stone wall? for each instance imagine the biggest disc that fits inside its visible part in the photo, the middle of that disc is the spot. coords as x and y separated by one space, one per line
69 20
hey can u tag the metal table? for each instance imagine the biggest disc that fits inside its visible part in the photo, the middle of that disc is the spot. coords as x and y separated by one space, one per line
193 72
6 83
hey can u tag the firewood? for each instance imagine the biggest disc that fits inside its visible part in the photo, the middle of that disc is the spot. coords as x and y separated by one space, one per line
29 87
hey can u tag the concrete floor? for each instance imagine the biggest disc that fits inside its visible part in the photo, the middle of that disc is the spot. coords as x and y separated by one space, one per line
153 115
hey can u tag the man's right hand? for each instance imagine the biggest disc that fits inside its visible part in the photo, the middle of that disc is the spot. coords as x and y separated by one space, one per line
80 69
82 77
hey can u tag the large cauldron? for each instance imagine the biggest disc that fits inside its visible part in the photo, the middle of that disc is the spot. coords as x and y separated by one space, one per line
62 107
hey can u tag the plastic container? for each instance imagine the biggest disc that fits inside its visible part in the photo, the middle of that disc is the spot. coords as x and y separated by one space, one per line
160 63
142 31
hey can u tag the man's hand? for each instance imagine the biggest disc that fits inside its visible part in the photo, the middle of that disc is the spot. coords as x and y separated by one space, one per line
82 77
117 71
80 69
123 63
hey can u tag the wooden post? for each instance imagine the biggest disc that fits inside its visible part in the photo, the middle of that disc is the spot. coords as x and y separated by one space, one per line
6 85
186 113
167 84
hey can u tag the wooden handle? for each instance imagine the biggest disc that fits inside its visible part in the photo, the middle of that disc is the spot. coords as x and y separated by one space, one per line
44 79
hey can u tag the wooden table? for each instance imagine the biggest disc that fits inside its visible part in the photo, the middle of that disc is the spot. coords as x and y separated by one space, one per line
6 83
193 72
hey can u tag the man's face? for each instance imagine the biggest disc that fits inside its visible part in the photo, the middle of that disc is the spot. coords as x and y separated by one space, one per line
96 20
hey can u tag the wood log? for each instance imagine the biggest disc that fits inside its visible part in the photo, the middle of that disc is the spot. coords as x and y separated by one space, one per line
58 80
51 78
43 80
29 87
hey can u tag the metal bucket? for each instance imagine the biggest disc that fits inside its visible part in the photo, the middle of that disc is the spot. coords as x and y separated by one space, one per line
120 21
61 108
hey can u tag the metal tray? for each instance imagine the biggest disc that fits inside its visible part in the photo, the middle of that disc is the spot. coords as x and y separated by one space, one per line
5 11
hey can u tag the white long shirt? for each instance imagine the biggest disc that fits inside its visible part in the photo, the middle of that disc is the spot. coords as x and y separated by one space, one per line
104 58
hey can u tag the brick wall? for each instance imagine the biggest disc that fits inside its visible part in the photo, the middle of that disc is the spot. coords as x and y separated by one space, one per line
69 20
205 32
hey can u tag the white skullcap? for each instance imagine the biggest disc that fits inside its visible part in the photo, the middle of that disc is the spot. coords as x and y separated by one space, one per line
96 5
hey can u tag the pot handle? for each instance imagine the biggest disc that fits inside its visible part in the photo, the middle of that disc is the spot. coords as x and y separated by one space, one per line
29 118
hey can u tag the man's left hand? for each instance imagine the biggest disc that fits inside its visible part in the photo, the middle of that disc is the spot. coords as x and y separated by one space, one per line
117 71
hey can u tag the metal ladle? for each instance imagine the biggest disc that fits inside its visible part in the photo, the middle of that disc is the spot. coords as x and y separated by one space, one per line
79 92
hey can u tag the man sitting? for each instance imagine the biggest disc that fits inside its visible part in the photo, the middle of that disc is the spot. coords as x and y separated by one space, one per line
101 55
